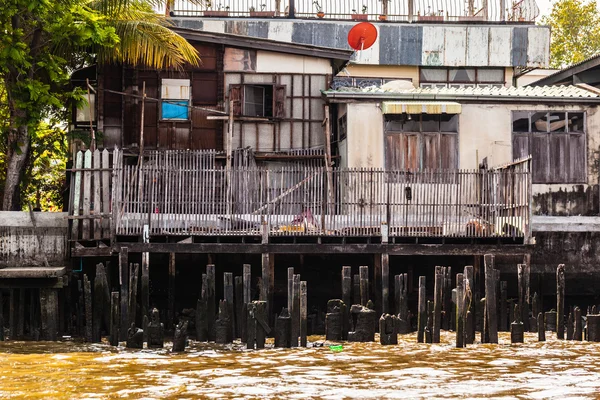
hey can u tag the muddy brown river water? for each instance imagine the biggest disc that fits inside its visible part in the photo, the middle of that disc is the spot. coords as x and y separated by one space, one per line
71 370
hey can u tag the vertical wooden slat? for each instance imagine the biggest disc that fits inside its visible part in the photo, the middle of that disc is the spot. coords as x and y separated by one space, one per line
106 192
97 201
77 194
87 187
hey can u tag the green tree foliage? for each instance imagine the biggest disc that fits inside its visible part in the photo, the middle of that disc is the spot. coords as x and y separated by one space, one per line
41 43
575 26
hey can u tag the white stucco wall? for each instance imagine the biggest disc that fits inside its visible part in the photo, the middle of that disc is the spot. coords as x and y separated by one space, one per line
365 136
268 61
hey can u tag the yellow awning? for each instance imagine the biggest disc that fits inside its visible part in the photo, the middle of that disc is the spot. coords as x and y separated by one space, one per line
432 107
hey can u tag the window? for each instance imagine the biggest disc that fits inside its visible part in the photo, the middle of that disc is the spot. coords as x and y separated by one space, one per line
175 99
86 111
461 77
556 142
418 142
258 100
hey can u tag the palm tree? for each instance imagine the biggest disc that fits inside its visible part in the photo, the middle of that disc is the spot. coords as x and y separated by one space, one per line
42 42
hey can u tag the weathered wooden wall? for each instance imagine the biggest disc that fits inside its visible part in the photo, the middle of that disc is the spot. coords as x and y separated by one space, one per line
22 245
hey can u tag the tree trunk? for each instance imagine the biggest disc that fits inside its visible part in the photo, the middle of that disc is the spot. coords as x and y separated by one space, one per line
18 151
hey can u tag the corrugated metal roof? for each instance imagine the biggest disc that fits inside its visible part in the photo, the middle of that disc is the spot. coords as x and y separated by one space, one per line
503 92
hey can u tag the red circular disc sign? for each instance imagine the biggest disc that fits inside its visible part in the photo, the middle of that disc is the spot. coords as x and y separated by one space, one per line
362 36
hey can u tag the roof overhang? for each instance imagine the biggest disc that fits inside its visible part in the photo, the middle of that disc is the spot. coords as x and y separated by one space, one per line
425 107
566 74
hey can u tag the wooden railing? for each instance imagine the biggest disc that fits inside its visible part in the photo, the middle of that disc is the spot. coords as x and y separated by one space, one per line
404 11
182 194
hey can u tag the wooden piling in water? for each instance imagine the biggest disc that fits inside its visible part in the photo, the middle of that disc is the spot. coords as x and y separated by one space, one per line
20 331
437 303
490 297
210 301
124 292
49 313
114 319
247 298
145 283
303 313
460 337
99 305
262 324
593 328
429 327
468 287
517 332
578 332
560 301
503 326
228 295
541 327
171 293
1 317
239 305
295 331
347 299
133 285
385 283
535 310
447 298
87 290
422 311
364 285
290 288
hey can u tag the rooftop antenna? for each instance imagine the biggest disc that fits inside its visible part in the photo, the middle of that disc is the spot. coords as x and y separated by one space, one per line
362 36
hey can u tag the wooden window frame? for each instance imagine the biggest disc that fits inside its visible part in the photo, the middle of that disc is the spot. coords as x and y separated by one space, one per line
236 94
449 83
530 135
188 100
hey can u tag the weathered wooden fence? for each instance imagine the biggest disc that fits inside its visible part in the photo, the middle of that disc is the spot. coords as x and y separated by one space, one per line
184 193
91 194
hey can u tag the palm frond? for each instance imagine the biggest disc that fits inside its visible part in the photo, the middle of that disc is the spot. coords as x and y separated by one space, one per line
115 7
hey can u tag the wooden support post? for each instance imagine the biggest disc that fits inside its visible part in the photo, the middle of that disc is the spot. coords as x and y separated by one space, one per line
251 327
210 301
460 293
560 301
527 298
80 308
1 317
446 298
303 313
134 271
570 326
397 295
517 332
468 287
375 289
520 290
171 293
290 288
385 283
228 295
34 316
270 309
429 327
239 305
422 307
578 334
145 287
265 269
503 307
247 271
114 319
21 314
124 292
347 299
98 307
364 285
437 303
355 289
202 312
262 326
490 298
87 292
295 313
498 298
49 313
541 327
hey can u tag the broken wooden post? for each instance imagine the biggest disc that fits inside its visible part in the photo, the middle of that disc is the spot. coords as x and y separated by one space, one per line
593 328
517 332
171 293
422 311
223 331
490 297
560 301
87 290
570 326
385 283
239 305
347 299
295 331
401 291
251 327
262 324
469 306
99 303
134 270
364 285
114 319
283 324
334 326
578 334
180 337
365 323
124 292
541 327
210 301
156 330
429 327
49 313
355 289
437 303
290 288
228 295
135 337
303 313
460 336
387 329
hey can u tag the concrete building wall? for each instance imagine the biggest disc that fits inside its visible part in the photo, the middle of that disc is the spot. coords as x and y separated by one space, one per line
22 245
365 136
404 44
